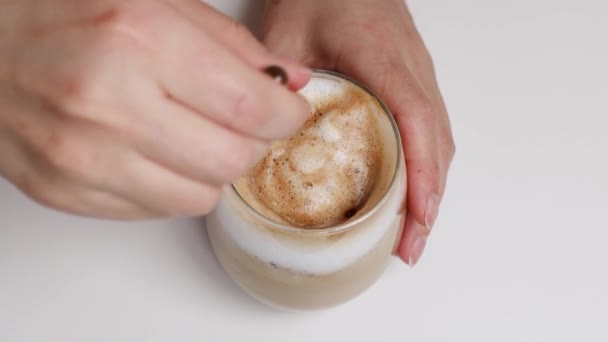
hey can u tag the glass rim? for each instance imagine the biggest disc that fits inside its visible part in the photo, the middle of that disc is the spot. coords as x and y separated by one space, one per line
349 224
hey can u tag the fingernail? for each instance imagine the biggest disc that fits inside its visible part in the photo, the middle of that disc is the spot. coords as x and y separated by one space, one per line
277 73
432 208
399 235
416 250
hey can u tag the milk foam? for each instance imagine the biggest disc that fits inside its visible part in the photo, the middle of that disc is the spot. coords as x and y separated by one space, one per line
322 255
324 174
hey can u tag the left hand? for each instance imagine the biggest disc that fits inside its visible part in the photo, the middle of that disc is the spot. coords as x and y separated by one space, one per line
376 42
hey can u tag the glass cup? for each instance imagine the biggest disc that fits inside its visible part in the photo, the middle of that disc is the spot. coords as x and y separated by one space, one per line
296 268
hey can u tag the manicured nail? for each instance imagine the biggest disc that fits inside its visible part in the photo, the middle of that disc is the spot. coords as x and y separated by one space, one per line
416 250
432 208
277 73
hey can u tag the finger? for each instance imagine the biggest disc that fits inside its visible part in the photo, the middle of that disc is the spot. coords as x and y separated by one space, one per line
240 41
60 194
40 183
202 74
426 77
417 122
416 119
153 186
96 158
413 241
169 133
425 173
447 148
191 146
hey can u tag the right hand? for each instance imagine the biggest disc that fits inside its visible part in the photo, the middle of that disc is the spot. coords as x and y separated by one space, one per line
135 109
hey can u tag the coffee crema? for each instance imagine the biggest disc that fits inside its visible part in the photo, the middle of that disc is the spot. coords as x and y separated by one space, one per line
332 170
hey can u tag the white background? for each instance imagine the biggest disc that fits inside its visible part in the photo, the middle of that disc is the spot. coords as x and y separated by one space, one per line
519 252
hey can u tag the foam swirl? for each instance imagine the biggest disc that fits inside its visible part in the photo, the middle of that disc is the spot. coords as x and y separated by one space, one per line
325 173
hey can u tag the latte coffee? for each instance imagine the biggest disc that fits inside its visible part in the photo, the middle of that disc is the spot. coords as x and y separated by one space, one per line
333 170
314 223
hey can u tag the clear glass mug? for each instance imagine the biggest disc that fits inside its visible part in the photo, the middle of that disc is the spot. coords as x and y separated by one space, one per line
295 268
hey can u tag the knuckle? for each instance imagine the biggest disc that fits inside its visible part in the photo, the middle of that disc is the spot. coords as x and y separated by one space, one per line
80 90
66 89
210 198
54 149
433 170
231 167
447 145
426 60
72 80
249 112
123 29
450 148
64 154
202 203
236 161
369 23
120 18
422 105
77 95
98 68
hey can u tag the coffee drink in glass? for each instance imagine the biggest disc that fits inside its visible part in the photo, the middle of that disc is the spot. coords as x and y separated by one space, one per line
315 222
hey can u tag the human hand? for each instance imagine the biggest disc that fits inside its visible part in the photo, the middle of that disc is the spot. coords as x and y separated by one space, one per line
135 109
377 43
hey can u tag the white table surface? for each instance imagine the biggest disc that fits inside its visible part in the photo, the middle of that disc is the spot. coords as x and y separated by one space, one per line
519 252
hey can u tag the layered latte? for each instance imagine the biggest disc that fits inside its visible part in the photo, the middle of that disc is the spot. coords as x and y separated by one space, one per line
314 223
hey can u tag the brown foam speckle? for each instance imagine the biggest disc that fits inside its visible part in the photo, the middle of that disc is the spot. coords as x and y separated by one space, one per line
326 173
